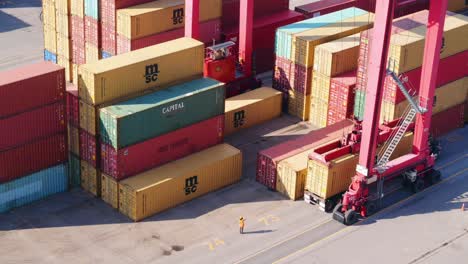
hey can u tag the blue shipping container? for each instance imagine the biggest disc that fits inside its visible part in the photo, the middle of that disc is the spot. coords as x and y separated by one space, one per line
92 8
33 187
49 56
285 35
105 55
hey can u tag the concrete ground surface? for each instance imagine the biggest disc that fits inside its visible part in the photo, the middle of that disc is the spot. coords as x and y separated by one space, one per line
74 227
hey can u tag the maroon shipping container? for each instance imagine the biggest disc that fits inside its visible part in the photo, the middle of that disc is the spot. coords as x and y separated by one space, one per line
264 29
403 7
209 31
31 125
450 69
448 120
78 51
73 105
77 28
108 39
324 7
268 159
92 31
291 76
123 163
30 86
32 157
231 10
89 148
282 75
341 99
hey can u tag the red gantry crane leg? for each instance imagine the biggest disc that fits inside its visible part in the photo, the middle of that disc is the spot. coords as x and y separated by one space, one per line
418 166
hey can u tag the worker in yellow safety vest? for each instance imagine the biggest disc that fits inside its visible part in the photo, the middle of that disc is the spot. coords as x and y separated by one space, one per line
241 225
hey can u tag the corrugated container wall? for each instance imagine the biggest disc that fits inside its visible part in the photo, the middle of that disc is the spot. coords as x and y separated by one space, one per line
74 171
131 160
323 7
152 67
448 120
251 108
33 187
74 140
180 181
30 86
292 173
152 115
159 16
110 191
90 178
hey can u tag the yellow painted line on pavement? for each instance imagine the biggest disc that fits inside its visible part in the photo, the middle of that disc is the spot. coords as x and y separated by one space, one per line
348 228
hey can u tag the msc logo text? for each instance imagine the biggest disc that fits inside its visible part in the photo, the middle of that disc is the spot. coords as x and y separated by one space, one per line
151 73
239 118
191 185
178 16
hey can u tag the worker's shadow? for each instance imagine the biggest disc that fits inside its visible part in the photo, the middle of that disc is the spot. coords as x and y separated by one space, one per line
258 232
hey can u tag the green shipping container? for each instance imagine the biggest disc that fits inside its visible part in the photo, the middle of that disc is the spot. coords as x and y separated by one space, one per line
359 102
74 171
149 116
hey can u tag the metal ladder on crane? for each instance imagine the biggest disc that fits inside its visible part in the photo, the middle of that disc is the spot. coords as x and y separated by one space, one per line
404 123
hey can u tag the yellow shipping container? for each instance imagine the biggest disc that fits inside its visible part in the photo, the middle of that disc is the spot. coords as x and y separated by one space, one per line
180 181
63 46
65 62
90 178
92 53
64 6
50 39
251 108
153 67
109 190
338 56
407 47
446 96
291 175
327 180
88 117
304 44
48 13
299 105
320 86
63 24
73 140
457 5
74 73
318 112
77 8
159 16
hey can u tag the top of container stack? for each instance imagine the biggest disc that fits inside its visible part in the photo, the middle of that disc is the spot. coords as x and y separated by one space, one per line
284 35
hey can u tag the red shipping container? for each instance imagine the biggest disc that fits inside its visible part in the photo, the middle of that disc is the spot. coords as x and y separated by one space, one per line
108 39
77 28
448 120
31 125
73 105
341 99
324 7
123 163
78 52
89 148
209 31
30 86
450 69
268 159
32 157
92 31
291 76
402 8
231 10
281 75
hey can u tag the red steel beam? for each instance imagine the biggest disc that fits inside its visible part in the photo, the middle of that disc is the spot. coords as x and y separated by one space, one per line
430 67
377 72
192 18
245 35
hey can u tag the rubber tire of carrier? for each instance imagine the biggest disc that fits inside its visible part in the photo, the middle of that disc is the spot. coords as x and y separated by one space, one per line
329 205
351 217
418 185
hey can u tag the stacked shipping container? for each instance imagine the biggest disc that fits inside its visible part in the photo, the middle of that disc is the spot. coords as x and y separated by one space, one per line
295 46
33 143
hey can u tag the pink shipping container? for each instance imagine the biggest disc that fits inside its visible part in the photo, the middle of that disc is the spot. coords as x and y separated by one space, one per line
341 99
268 159
291 76
324 7
92 31
108 38
77 28
30 86
32 157
123 163
89 148
28 126
450 69
448 120
264 29
209 31
73 105
78 52
231 10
